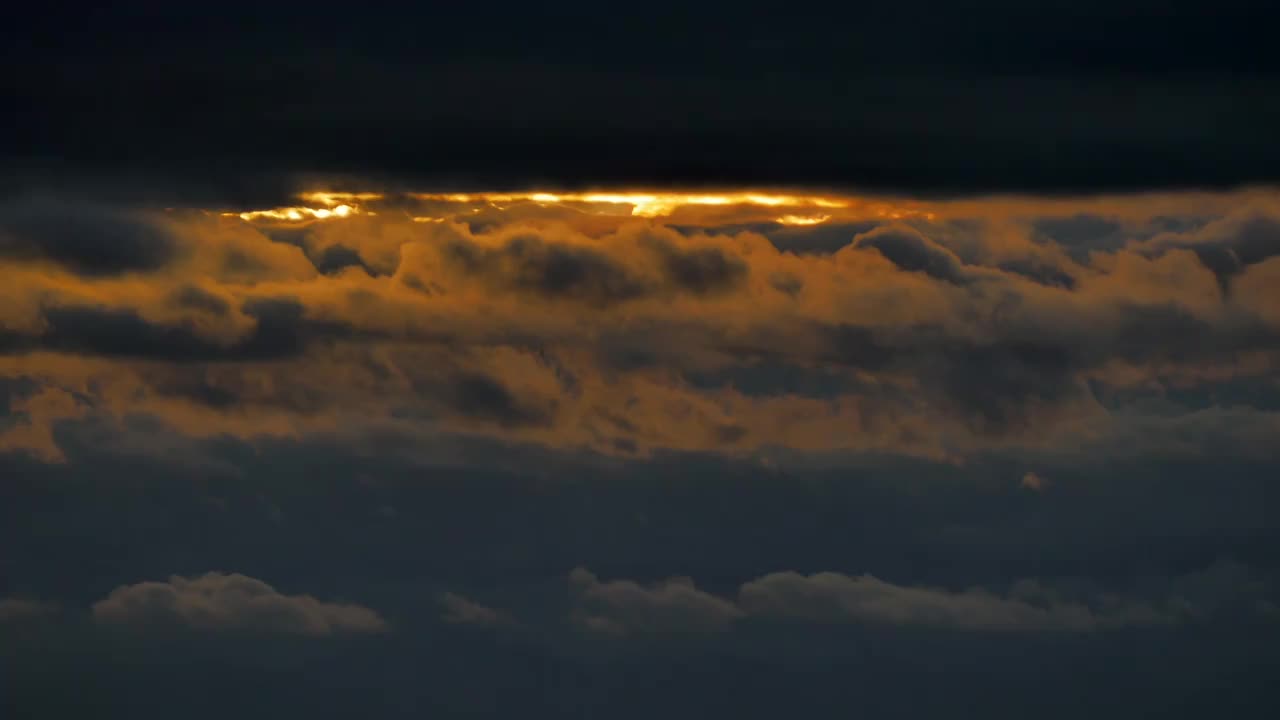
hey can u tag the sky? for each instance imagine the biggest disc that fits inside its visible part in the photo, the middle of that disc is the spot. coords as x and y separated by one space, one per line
579 362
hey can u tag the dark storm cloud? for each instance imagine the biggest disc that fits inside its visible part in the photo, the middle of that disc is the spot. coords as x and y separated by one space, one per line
88 240
926 96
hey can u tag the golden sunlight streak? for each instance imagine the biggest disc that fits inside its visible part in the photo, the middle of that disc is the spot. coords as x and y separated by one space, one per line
802 219
297 214
331 205
643 204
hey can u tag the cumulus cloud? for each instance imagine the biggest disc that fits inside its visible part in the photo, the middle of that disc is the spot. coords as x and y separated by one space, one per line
230 601
1029 605
911 251
459 610
934 329
672 605
833 597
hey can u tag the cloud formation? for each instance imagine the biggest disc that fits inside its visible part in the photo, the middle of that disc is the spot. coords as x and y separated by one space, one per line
17 609
938 329
459 610
1028 605
230 601
672 605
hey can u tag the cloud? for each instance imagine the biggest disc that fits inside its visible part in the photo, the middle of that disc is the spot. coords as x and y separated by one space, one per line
700 270
459 610
672 605
833 597
85 238
230 601
123 333
912 252
16 609
1032 481
528 264
943 329
1028 605
481 397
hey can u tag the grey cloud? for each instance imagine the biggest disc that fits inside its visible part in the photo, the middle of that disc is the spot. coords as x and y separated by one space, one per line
16 609
702 270
673 605
1226 246
111 332
786 283
676 604
481 397
910 251
194 297
459 610
218 601
336 258
1041 272
1080 234
833 597
527 263
95 241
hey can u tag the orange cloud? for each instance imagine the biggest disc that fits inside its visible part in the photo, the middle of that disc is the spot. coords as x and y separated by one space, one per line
687 323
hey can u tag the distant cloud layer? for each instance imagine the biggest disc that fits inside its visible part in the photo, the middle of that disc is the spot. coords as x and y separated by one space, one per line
632 324
17 609
677 605
459 610
221 601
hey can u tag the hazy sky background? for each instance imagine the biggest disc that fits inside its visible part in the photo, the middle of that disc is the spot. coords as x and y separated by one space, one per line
887 363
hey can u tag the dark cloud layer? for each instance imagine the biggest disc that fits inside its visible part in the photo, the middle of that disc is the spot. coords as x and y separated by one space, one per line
926 96
86 239
123 333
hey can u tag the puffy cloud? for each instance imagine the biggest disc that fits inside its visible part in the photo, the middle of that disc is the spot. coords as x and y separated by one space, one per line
938 329
910 251
526 263
1029 605
459 610
673 605
230 601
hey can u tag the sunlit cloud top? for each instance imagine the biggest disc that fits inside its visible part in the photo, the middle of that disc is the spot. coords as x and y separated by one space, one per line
628 322
327 205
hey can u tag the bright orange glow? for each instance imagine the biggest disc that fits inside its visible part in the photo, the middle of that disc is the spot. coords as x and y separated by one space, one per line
298 214
644 204
796 209
336 205
338 198
802 219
